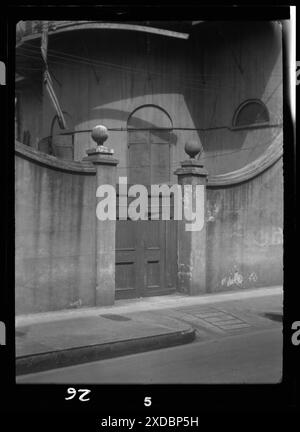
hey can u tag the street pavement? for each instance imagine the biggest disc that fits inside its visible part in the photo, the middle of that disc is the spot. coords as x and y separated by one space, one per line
238 338
251 358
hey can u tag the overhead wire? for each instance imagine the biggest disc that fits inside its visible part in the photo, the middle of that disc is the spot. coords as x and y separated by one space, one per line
201 87
60 55
65 54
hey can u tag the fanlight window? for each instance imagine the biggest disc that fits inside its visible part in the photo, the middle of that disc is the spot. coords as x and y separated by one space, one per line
251 113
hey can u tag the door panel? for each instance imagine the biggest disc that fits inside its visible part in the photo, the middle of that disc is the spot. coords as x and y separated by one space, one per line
147 264
160 163
153 245
126 259
149 156
139 162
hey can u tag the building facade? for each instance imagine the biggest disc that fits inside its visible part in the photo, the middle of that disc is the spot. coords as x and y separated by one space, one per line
155 86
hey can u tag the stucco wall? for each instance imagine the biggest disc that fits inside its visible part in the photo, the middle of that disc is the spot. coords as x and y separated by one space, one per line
245 233
54 238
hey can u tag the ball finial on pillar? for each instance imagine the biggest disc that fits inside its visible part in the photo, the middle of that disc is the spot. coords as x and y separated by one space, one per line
193 148
99 134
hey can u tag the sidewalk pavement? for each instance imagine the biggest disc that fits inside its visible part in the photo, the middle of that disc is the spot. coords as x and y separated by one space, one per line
56 339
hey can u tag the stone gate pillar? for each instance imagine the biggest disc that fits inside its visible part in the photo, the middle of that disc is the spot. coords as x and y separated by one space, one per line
192 244
105 164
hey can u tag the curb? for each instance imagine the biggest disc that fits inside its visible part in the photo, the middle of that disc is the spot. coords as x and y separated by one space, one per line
73 356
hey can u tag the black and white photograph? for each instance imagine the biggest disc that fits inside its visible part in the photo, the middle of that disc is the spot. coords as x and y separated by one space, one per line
149 190
150 104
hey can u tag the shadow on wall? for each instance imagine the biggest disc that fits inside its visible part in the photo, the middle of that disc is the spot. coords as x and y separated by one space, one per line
214 83
241 64
135 122
200 90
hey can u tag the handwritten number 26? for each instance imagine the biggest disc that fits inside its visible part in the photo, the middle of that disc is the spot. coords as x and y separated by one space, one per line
83 397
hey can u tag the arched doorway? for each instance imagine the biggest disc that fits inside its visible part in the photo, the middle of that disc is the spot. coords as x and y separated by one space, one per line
146 250
149 138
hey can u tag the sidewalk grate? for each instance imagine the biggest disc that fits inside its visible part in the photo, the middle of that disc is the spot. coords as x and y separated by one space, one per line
274 316
21 333
115 317
218 318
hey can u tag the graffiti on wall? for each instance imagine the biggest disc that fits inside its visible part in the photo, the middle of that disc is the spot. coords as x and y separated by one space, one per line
266 238
235 278
212 212
185 272
263 237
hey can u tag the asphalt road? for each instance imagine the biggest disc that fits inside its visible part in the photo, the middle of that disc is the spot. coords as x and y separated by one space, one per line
242 358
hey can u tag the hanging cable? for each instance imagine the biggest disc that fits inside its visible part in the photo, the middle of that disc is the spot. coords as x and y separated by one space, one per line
60 55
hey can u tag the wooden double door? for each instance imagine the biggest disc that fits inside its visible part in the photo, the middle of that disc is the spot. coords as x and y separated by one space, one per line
146 258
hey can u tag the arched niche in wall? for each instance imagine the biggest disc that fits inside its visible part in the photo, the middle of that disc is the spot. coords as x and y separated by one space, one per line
251 113
252 131
149 145
60 142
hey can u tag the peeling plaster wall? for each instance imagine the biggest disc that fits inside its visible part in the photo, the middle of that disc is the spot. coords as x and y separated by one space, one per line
54 238
245 233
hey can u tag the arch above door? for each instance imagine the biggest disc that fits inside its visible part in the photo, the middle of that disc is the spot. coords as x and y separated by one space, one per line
149 138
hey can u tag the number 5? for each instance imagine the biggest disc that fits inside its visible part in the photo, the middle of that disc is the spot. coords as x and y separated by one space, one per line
147 401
